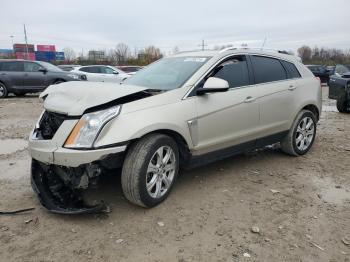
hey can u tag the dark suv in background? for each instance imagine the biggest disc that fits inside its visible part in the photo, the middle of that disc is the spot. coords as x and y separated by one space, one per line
21 76
320 71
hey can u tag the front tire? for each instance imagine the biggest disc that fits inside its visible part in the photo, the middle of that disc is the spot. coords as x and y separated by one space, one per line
301 136
343 105
150 170
19 94
3 91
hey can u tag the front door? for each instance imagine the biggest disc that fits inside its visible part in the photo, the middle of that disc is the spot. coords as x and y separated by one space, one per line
232 117
33 78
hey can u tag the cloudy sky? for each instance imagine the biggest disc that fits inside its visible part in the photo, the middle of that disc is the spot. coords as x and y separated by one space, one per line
84 25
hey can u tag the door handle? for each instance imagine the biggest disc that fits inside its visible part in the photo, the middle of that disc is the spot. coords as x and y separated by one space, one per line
291 87
249 99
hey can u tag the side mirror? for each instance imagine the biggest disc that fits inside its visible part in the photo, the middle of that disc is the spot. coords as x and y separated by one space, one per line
115 72
44 70
213 85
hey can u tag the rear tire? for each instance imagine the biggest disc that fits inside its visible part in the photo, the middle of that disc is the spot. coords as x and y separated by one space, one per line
3 90
301 136
150 170
343 105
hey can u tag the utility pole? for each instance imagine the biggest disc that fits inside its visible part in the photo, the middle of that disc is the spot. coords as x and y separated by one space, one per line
25 38
202 45
262 47
12 39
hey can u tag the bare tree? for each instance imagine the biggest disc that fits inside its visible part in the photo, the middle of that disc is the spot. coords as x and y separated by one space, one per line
305 53
176 50
151 54
69 54
122 53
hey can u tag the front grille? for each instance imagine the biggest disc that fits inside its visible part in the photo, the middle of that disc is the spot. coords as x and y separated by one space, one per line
49 124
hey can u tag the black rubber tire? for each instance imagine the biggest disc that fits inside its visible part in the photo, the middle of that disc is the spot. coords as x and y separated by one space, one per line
343 105
5 93
58 82
19 94
288 144
135 167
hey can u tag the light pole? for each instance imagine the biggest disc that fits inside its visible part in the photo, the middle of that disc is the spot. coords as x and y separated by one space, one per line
12 40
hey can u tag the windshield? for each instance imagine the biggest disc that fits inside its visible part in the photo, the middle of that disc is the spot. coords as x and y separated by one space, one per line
167 73
50 67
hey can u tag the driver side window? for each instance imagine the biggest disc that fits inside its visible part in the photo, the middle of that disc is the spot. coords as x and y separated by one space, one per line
106 70
234 71
31 67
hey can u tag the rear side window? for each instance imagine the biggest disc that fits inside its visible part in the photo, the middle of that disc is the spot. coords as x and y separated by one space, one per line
267 69
91 69
234 71
292 71
12 66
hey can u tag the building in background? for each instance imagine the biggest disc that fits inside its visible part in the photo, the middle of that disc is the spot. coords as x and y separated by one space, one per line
23 51
45 53
96 55
6 54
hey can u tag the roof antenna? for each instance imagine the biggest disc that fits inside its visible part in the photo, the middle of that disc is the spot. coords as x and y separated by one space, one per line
262 47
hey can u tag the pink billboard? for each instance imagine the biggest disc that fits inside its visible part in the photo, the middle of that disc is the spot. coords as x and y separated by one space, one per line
23 55
46 48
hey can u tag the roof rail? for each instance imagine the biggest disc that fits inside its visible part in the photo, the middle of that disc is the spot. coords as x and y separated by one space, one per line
255 48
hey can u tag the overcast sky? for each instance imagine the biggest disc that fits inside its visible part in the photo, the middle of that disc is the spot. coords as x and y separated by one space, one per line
84 25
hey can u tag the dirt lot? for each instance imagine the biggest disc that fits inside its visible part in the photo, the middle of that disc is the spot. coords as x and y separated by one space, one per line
209 215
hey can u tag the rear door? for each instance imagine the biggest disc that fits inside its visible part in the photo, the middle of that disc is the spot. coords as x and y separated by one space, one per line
275 91
12 72
33 78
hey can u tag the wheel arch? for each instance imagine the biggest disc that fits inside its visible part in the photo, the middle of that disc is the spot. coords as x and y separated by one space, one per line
183 146
314 109
58 79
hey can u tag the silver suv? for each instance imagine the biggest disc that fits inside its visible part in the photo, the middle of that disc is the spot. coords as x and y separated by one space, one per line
179 112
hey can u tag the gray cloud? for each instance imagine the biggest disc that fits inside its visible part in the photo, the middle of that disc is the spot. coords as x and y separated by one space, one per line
102 24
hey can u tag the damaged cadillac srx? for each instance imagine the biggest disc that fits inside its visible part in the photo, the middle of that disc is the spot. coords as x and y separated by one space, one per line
179 112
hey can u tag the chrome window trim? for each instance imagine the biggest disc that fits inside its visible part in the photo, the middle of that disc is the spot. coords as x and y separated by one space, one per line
242 53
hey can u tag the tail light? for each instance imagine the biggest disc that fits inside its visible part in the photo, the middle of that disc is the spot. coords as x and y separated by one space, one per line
319 80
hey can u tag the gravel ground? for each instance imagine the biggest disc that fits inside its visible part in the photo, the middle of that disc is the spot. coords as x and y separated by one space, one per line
300 206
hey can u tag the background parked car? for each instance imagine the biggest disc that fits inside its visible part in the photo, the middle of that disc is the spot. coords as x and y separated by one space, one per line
102 73
339 87
320 71
21 76
68 68
131 70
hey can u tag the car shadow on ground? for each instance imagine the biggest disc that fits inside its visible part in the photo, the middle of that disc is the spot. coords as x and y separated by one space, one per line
109 188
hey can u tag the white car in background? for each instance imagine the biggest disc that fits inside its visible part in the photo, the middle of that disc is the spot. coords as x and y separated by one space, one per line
102 73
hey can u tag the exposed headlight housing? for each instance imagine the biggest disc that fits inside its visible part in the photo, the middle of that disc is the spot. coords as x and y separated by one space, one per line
89 126
73 76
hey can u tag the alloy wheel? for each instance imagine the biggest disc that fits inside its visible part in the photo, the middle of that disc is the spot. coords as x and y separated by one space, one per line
305 133
161 172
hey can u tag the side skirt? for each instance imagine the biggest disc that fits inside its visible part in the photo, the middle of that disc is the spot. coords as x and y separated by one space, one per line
196 161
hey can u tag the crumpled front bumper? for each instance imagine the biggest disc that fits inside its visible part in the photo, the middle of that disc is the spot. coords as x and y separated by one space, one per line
57 197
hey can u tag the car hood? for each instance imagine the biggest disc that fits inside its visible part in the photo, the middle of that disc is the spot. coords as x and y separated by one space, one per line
73 98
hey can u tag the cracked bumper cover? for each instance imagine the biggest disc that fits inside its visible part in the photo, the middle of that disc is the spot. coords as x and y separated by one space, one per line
55 196
63 195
